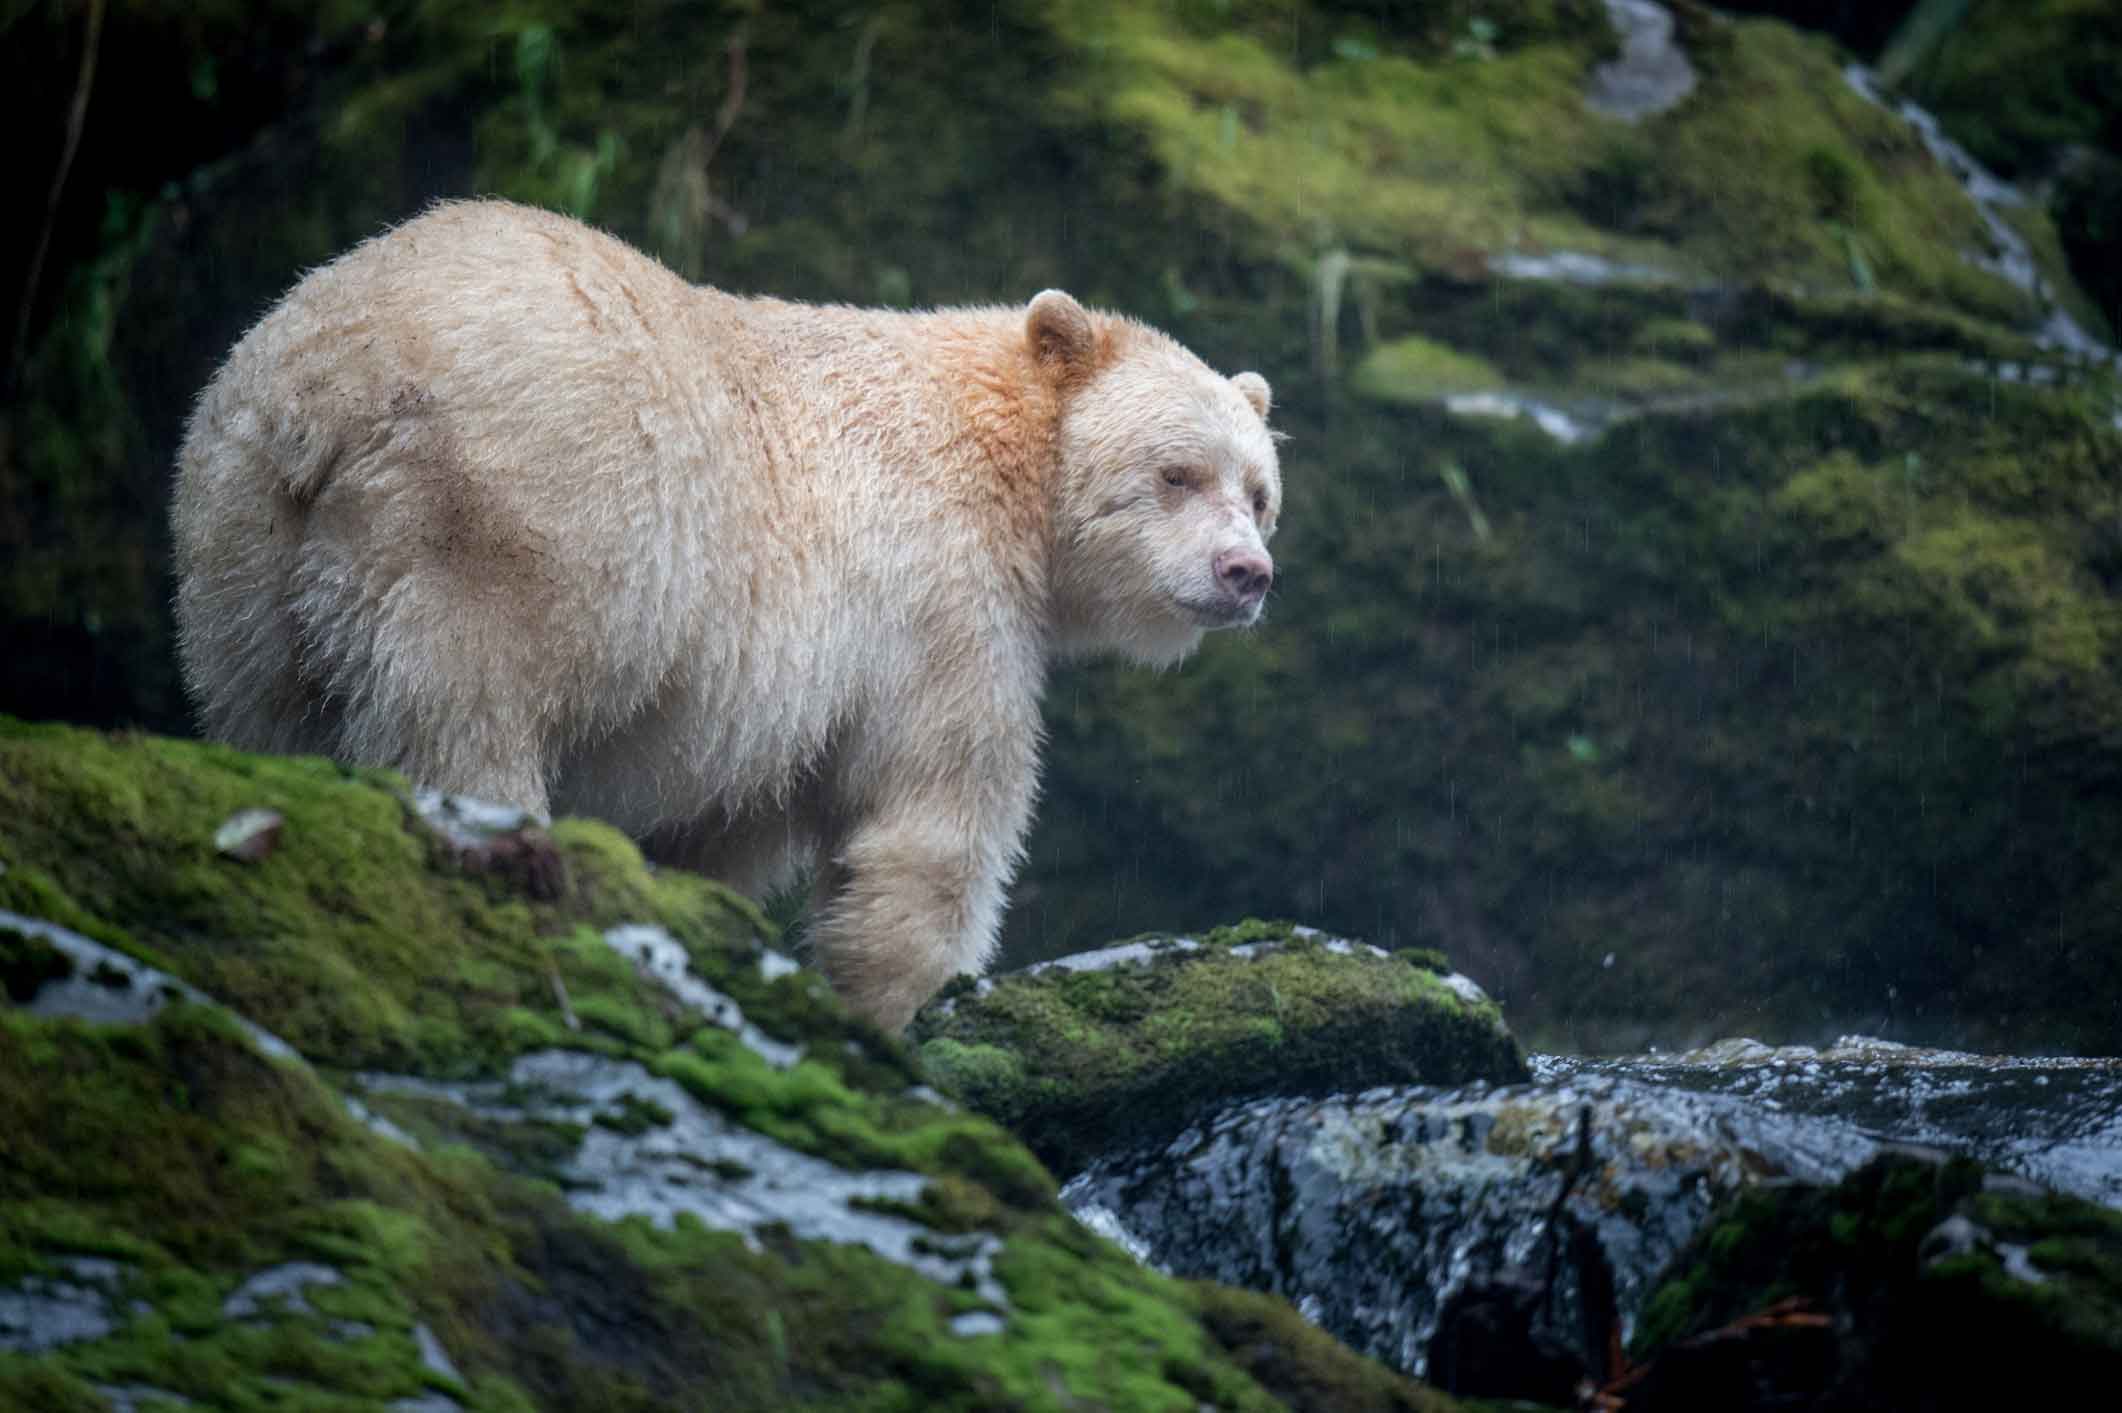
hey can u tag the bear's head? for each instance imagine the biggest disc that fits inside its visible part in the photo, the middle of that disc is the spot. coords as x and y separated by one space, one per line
1168 487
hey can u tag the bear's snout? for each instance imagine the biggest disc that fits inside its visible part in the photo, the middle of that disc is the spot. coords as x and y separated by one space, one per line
1245 574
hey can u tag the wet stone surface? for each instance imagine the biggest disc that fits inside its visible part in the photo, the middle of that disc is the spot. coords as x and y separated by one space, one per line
2055 1120
698 1163
1651 75
1390 1215
103 984
45 1312
1372 1212
278 1290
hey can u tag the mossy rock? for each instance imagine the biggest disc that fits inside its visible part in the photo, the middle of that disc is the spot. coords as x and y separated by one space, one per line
374 1118
1126 1044
1899 1287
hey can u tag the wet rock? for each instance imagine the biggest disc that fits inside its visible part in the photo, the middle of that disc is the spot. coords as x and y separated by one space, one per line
433 1357
1493 1341
1129 1043
77 1302
280 1288
691 1161
1651 76
249 836
495 839
2056 1120
1544 1213
99 983
1577 267
2010 256
1564 427
664 958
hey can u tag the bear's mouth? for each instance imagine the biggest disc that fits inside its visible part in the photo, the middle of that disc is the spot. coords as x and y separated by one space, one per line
1224 612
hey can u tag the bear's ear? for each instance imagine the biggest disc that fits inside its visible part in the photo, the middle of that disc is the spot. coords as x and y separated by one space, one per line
1059 330
1256 392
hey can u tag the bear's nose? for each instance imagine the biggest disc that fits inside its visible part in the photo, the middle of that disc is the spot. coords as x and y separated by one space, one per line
1244 574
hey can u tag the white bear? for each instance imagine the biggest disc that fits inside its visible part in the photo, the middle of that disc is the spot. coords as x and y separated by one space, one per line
500 502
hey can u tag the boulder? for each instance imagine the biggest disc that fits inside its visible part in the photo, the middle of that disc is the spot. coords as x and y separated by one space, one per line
1129 1043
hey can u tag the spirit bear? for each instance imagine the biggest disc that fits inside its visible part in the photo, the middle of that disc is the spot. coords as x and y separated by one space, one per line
498 501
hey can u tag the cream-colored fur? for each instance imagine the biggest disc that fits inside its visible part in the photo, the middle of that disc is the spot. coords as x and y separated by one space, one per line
498 501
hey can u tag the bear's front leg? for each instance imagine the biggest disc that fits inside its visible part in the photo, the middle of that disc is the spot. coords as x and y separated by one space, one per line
913 893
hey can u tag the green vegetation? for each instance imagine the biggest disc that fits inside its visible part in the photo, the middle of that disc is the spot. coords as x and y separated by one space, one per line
1419 370
1078 1062
2018 81
1907 1256
186 1161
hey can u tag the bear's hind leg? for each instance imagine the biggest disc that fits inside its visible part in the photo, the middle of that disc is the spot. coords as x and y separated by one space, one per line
445 694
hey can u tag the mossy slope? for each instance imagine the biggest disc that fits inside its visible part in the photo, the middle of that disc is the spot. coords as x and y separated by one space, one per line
159 1166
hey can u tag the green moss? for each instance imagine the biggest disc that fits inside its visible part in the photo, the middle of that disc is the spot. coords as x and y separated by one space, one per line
1763 724
2016 82
1414 369
1252 929
334 933
982 1074
1673 337
1821 640
1866 1254
1404 149
1410 154
1076 1062
1836 176
1427 959
1642 378
24 889
174 1147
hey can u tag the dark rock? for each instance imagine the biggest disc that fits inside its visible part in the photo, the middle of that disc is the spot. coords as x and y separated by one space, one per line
1918 1282
1538 1216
